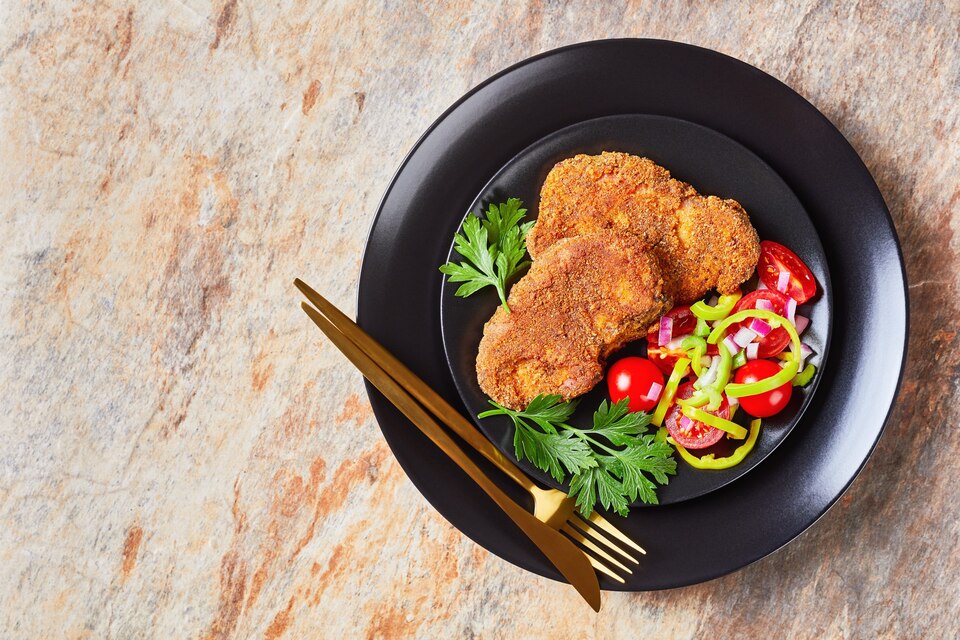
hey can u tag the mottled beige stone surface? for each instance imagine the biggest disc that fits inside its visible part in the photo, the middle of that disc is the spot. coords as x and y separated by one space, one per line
182 454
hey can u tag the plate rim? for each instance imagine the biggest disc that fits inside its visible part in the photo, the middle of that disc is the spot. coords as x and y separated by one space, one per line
802 103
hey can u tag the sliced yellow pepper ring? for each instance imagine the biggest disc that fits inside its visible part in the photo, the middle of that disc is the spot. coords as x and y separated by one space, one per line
723 375
773 319
710 461
785 375
717 422
714 389
696 400
703 329
679 370
740 359
716 398
803 378
708 396
695 347
724 306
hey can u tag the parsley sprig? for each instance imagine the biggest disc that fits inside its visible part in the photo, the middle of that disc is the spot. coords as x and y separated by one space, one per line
609 463
494 249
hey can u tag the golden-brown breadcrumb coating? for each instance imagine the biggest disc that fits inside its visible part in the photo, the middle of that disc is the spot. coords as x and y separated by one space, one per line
701 242
583 298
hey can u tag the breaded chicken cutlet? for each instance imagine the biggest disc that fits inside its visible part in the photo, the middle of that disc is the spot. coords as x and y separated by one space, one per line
701 242
583 298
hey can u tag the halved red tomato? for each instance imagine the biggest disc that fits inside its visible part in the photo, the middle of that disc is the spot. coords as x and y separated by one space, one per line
778 339
696 435
684 322
776 259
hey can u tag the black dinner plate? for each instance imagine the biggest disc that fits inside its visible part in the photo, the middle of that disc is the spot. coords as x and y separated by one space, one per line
715 165
441 177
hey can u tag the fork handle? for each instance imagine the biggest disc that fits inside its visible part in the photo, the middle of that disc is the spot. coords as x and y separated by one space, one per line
561 552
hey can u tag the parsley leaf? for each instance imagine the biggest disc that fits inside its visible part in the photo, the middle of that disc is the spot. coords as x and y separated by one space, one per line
609 464
494 248
617 424
557 454
548 449
502 217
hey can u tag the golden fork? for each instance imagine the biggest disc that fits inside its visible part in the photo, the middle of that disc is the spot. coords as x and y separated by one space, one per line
551 507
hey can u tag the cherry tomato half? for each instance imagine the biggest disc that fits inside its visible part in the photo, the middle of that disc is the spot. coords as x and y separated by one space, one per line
697 435
763 405
637 379
684 322
776 258
778 339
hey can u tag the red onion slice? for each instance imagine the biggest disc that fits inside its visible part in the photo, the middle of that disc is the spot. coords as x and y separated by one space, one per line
801 323
753 350
654 392
744 337
711 373
805 352
783 280
791 310
731 345
666 331
685 423
760 327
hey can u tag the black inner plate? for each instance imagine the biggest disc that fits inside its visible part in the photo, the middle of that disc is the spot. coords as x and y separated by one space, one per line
715 165
440 178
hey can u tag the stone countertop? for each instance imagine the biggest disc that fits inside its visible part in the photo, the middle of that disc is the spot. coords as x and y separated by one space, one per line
183 455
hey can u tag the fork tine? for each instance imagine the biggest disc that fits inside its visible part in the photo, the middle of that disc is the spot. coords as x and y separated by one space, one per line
602 522
586 542
602 568
585 526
